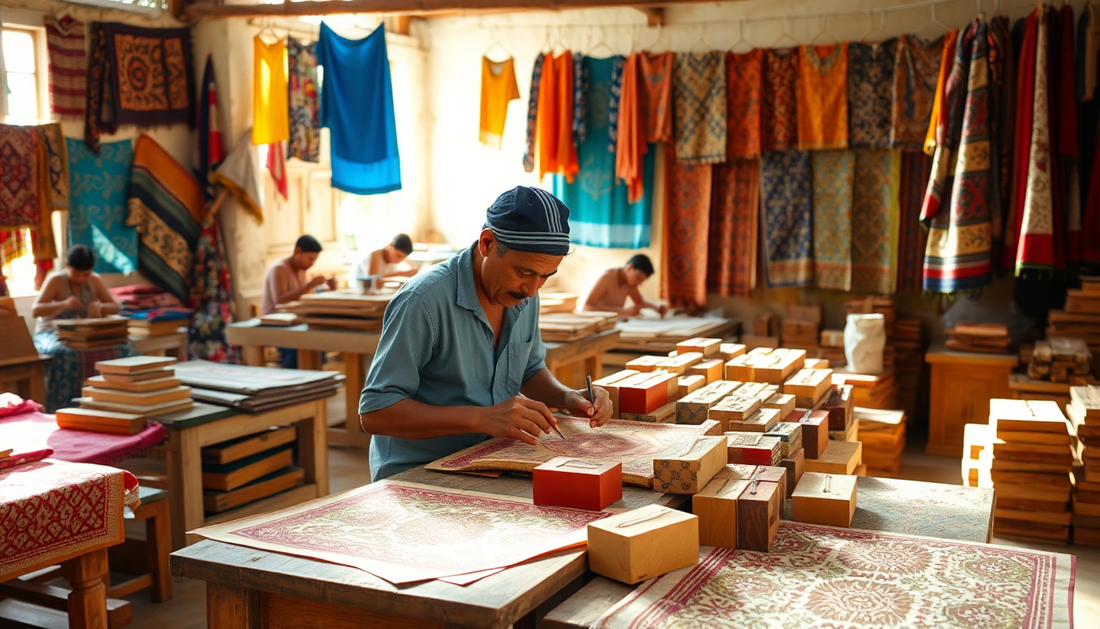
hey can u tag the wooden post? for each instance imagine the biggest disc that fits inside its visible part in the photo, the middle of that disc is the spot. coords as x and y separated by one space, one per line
88 599
231 607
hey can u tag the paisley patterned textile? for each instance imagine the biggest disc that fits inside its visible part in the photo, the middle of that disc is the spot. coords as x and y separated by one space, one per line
98 216
816 576
211 298
916 69
22 194
875 221
956 205
68 65
912 239
779 106
532 115
744 91
699 107
786 211
870 93
834 173
734 219
823 97
687 225
305 121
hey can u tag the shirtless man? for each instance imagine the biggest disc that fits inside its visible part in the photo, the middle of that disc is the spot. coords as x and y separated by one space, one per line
615 285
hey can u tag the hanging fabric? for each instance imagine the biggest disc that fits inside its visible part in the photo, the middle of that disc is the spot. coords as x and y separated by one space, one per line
823 97
631 140
211 150
601 215
98 112
580 86
211 298
1088 117
786 208
357 107
13 244
556 148
734 216
699 107
269 92
23 196
532 114
916 71
57 166
956 204
875 221
871 69
68 65
304 107
276 165
833 177
687 229
935 120
744 91
1064 120
1025 100
618 62
498 88
912 238
240 175
98 217
1002 74
655 95
779 107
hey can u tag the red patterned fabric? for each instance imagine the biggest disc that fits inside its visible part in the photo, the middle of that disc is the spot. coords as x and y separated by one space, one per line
276 165
57 510
687 219
68 64
734 218
779 106
655 95
916 167
744 85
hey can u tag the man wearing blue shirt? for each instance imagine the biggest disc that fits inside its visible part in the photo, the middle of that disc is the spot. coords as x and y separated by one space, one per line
461 342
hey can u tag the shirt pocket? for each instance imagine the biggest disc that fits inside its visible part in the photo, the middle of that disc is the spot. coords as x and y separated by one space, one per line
519 352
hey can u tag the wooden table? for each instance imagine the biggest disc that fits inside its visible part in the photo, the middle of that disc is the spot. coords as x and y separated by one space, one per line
247 587
962 384
206 424
562 358
873 510
26 377
174 344
357 348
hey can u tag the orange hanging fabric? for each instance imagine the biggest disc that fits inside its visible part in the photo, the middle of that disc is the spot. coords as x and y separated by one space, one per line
948 60
823 97
630 146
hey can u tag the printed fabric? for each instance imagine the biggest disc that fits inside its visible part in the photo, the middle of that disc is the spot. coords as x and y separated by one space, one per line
947 61
533 114
779 110
786 208
1036 244
744 93
1002 77
580 86
498 88
304 112
618 61
734 219
22 194
98 217
912 238
211 148
870 93
687 224
916 70
556 148
875 221
655 95
240 175
57 165
270 122
833 177
68 65
823 97
699 107
211 298
630 138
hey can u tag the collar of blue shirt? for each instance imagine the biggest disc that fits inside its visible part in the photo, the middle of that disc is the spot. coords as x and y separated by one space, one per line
466 296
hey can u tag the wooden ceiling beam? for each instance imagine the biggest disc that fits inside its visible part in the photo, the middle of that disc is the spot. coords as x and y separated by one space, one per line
420 7
655 16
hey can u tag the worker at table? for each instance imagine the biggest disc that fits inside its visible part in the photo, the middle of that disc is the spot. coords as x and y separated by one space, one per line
285 281
610 291
460 342
386 262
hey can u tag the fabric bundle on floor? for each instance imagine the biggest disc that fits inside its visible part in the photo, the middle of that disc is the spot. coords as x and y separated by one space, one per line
68 65
357 107
833 177
302 88
98 215
871 93
167 206
823 97
779 109
734 216
786 210
699 107
687 218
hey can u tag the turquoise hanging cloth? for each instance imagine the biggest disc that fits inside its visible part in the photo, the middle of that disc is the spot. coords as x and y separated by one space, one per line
599 214
357 107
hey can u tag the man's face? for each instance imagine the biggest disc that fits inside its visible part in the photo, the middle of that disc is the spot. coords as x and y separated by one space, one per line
515 276
634 277
304 260
396 255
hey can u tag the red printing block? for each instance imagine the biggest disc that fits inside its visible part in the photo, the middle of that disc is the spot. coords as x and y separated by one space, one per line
751 448
643 398
815 433
579 484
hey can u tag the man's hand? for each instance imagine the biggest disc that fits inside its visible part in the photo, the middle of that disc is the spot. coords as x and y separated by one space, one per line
519 418
73 304
95 310
331 283
662 309
315 282
576 402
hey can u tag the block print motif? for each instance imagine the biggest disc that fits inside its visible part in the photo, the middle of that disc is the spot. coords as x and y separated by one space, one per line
870 93
699 107
787 218
833 173
779 106
874 221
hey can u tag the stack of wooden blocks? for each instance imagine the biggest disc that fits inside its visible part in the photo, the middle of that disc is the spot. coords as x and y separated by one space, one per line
1061 359
1081 318
882 433
1084 414
765 332
86 334
557 302
143 328
868 391
983 338
249 468
340 310
126 393
563 327
1031 461
802 327
909 348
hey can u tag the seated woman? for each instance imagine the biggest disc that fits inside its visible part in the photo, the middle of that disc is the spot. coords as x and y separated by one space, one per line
75 293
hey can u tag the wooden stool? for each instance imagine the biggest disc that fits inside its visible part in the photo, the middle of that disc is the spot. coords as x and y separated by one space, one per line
147 559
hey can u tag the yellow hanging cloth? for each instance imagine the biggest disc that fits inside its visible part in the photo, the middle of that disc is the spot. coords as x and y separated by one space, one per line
498 88
270 122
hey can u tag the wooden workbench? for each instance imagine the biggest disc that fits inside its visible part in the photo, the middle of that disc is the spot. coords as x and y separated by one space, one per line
205 424
965 515
562 359
357 348
962 383
174 344
244 586
26 377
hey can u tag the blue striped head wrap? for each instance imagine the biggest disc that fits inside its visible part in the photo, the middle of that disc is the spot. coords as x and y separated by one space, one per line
530 219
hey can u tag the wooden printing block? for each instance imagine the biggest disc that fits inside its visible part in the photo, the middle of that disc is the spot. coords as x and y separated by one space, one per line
761 421
839 457
816 363
758 509
661 415
752 448
644 543
826 499
739 368
567 482
1027 416
832 338
704 346
688 471
773 474
764 324
781 364
645 363
809 385
783 402
815 433
716 508
712 369
729 351
611 385
795 464
694 408
642 394
789 434
679 363
840 408
759 390
734 407
690 384
672 381
737 471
